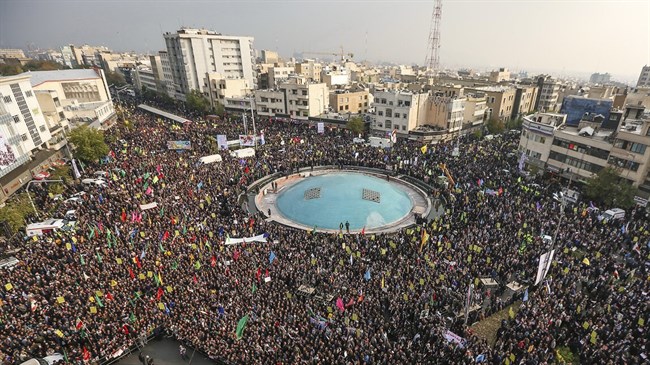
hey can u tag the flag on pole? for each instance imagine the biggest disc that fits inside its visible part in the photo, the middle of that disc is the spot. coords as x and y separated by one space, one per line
526 295
367 274
271 257
79 324
425 238
240 327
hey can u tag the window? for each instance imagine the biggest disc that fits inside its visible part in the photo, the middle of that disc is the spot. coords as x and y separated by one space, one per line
380 113
396 115
341 107
403 127
24 137
404 115
41 128
28 93
7 99
16 119
389 124
492 100
389 113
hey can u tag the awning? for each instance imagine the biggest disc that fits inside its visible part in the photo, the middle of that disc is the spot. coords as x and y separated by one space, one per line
164 114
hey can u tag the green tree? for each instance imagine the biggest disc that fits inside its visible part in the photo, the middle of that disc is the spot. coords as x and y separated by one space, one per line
606 187
61 173
515 123
115 78
10 69
356 125
495 126
220 110
37 65
15 211
88 143
197 102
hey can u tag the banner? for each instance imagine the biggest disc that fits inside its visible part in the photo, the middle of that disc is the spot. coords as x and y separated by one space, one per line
246 140
75 169
452 337
258 238
148 206
522 161
222 142
179 145
7 156
544 265
321 127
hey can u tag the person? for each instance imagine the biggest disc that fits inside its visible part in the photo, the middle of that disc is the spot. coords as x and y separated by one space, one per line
183 352
341 227
347 226
269 212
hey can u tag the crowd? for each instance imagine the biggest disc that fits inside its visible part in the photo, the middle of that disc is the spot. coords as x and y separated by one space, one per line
91 292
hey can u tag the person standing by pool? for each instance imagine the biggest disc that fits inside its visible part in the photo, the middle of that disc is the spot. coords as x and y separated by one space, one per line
347 226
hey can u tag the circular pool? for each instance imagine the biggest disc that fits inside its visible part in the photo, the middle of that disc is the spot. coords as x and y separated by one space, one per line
330 199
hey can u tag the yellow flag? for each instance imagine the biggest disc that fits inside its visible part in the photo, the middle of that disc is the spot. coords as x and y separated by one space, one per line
60 300
511 313
113 283
161 306
169 289
586 261
59 333
119 261
8 286
93 310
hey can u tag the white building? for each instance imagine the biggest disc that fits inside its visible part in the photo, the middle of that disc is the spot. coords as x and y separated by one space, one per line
22 125
335 77
218 88
144 77
537 136
399 110
83 94
279 75
304 99
269 102
548 94
167 76
194 53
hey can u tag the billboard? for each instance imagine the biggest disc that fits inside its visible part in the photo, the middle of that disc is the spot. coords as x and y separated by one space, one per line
575 108
179 145
7 156
246 140
222 141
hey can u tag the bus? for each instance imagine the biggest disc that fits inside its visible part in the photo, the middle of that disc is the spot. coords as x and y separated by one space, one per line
39 229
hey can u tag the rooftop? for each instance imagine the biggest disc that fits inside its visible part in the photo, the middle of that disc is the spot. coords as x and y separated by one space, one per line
497 89
633 126
39 77
600 134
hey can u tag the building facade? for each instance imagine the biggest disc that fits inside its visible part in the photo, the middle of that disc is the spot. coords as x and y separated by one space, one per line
575 107
309 69
644 77
304 99
352 101
524 104
193 53
598 78
547 94
22 125
500 100
402 111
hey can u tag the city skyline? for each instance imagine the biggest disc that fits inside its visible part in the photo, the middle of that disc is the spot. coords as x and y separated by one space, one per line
564 37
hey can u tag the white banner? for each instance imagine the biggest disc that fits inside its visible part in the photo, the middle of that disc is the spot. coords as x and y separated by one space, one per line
222 142
544 265
452 337
75 169
234 241
246 140
148 206
321 127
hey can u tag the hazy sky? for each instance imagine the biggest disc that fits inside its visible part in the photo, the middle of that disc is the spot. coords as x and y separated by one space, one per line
560 35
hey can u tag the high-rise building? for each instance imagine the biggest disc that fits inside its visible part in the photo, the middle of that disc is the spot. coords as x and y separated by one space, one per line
598 78
644 77
547 94
194 53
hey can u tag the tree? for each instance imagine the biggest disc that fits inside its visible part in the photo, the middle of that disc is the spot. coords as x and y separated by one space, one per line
356 125
15 211
197 102
115 78
88 143
515 123
607 188
495 126
36 65
220 110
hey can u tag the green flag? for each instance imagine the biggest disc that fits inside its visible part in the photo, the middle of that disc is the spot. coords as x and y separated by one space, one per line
254 288
81 258
99 302
240 327
197 265
99 257
174 265
132 318
160 246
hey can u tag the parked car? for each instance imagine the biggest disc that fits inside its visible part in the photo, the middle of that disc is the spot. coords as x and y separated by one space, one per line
96 182
613 214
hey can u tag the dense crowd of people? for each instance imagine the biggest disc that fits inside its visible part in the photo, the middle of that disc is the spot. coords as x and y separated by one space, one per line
123 272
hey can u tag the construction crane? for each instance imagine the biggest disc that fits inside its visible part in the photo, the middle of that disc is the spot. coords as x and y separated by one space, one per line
340 54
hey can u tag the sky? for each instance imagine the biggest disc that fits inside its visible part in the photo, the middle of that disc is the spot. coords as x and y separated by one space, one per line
565 37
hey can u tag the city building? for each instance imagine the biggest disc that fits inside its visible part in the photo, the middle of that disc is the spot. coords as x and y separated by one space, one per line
335 76
525 96
194 53
304 99
270 102
218 88
537 136
598 78
167 76
11 53
547 94
630 152
23 134
644 77
68 56
309 69
475 112
278 75
499 75
270 57
575 107
88 55
400 110
353 100
145 79
638 96
500 100
82 93
444 114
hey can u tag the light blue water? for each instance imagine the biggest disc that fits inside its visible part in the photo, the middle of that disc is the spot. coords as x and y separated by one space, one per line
341 200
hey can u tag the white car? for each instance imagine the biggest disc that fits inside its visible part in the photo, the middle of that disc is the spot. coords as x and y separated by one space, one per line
74 199
78 194
96 182
100 174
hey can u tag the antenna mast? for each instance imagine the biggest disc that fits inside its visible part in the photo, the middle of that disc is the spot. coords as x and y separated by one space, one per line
432 61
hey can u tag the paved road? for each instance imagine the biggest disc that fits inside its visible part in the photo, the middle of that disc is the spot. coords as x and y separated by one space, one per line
165 352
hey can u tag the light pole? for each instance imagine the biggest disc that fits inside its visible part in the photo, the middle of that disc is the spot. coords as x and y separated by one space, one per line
29 195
